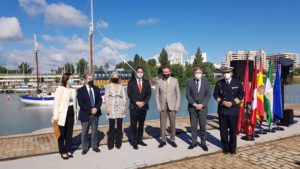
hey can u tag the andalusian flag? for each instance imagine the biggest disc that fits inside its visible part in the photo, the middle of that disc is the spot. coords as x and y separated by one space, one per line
260 95
268 97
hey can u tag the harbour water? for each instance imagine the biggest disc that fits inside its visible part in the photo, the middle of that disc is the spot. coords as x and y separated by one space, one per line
16 118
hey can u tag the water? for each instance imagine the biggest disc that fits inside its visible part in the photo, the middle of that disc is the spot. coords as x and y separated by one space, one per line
16 118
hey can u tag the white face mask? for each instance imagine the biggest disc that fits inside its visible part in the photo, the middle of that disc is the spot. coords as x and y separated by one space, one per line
198 76
139 75
227 76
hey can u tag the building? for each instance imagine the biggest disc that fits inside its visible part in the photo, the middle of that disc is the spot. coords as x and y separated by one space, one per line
275 57
176 58
102 77
244 54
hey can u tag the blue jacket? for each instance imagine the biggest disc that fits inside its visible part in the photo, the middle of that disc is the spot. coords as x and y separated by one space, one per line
84 103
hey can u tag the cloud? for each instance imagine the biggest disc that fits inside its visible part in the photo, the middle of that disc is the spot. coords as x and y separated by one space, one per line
102 24
33 7
50 38
117 44
10 29
149 21
176 47
62 14
109 56
77 45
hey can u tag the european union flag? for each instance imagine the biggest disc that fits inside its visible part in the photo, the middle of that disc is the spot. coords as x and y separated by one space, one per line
277 104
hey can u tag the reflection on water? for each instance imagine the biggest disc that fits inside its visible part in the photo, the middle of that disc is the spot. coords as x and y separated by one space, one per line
16 118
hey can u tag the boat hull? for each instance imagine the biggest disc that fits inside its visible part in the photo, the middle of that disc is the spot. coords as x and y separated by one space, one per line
43 101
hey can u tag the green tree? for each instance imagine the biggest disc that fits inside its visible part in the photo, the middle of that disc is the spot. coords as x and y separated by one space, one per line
151 62
163 58
82 67
198 58
106 66
178 72
3 69
69 68
208 71
138 61
24 68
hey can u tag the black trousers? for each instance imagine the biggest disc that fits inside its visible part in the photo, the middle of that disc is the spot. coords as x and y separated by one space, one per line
112 123
228 126
66 132
137 120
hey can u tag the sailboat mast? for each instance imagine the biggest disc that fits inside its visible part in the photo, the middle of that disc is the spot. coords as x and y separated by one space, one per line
37 64
91 34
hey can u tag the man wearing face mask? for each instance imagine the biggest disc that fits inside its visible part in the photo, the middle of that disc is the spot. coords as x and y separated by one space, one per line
89 101
198 94
139 93
167 102
228 93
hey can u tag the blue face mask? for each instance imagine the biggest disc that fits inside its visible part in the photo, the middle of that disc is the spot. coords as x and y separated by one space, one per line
71 82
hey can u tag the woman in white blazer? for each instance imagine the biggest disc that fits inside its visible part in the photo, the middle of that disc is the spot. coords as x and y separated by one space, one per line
65 113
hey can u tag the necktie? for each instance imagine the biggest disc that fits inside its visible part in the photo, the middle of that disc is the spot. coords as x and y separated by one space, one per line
197 83
140 86
92 98
166 86
227 81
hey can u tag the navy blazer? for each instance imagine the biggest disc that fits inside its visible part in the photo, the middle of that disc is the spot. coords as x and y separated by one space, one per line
134 95
84 103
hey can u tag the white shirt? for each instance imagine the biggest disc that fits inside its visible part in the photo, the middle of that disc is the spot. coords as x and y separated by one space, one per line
228 81
88 90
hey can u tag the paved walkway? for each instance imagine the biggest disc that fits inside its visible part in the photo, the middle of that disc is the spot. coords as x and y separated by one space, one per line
260 153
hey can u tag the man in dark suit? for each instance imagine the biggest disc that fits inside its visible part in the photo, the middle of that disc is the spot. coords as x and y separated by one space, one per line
139 93
89 101
198 93
228 92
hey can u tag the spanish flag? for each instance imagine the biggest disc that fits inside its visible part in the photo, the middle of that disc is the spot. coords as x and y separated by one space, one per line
260 95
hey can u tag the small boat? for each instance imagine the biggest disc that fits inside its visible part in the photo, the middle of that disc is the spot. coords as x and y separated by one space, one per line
36 100
40 97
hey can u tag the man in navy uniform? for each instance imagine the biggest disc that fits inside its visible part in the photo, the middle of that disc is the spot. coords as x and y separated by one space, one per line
228 92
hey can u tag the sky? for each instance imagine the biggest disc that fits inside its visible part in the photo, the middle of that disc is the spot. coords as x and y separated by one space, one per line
126 27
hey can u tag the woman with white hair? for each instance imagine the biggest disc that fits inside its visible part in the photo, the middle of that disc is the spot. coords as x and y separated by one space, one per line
115 101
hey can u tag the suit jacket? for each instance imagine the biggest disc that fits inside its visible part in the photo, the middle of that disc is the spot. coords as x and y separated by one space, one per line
85 103
134 95
201 97
173 95
233 92
61 104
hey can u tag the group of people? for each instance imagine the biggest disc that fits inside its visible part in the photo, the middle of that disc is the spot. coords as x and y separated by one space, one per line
228 92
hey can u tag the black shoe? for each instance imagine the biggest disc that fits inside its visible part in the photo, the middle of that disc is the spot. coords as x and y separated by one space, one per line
97 150
192 146
297 162
225 152
84 152
65 158
204 147
70 155
162 144
142 143
233 152
173 144
135 146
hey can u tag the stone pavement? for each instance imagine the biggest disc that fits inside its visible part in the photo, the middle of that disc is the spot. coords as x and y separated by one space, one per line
281 154
264 152
12 147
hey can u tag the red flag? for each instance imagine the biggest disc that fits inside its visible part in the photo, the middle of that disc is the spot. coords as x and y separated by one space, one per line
253 93
241 123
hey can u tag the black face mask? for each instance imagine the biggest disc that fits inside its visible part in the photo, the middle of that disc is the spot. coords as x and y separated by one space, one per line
166 76
115 80
91 83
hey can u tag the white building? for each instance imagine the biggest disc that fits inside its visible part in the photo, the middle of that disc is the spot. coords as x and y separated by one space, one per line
176 58
243 54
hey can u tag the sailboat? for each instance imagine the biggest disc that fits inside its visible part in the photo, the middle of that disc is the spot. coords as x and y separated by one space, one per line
39 97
